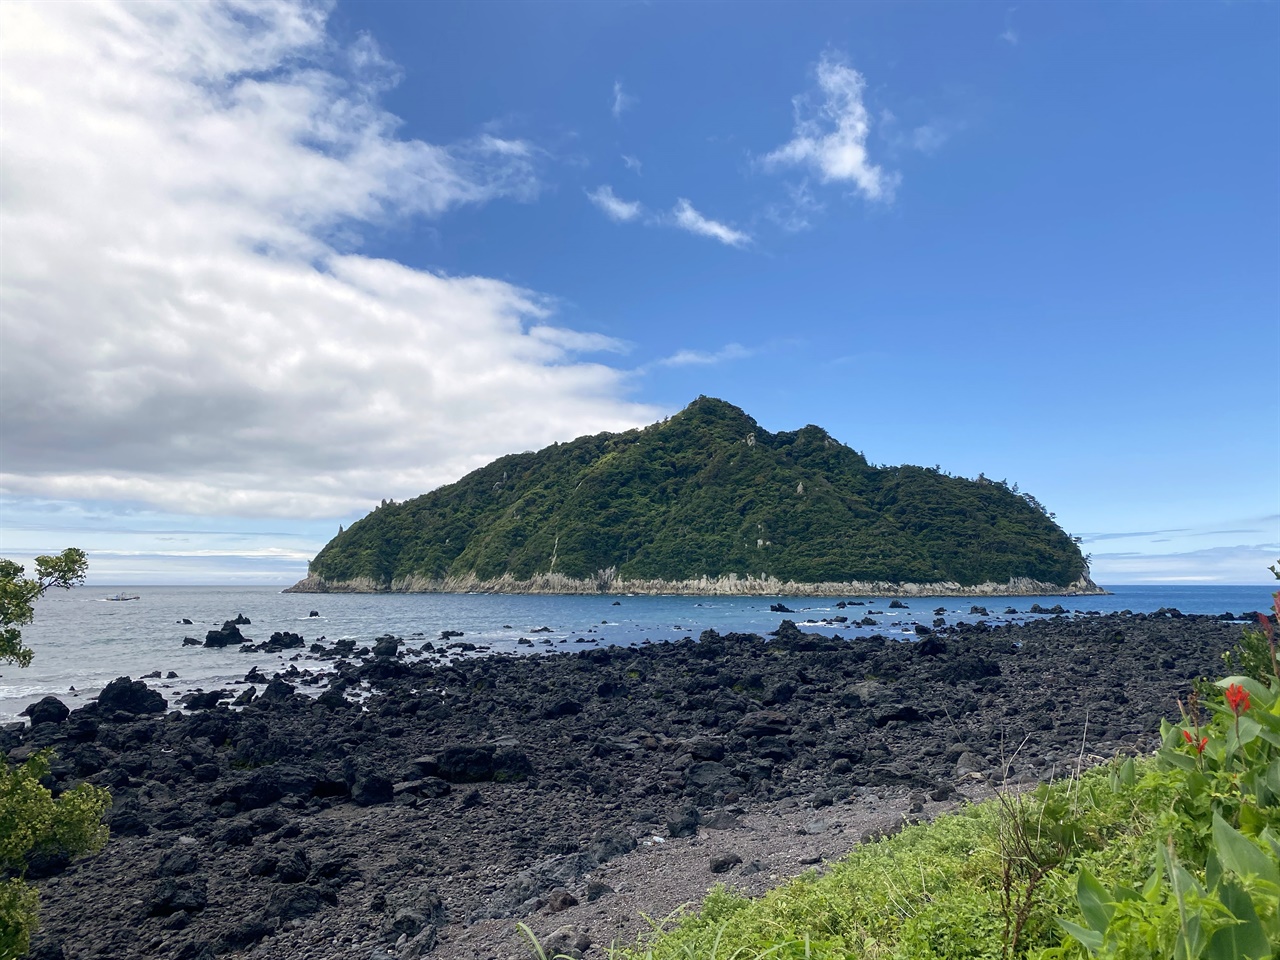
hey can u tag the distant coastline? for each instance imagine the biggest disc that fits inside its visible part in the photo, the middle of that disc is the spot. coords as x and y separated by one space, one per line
731 585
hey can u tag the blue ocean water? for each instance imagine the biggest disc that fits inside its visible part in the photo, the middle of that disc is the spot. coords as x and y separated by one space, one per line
84 640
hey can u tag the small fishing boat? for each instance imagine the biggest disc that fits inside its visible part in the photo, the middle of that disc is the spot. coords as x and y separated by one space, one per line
121 596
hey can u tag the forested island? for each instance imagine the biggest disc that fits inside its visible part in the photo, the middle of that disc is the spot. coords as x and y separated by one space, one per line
706 502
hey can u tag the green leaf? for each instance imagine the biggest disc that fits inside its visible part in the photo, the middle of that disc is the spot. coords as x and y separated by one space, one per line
1182 881
1241 855
1191 940
1272 777
1249 729
1095 903
1271 840
1212 871
1244 940
1151 889
1252 820
1178 759
1271 736
1128 773
1091 940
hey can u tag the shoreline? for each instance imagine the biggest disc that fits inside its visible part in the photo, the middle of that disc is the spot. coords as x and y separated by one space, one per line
428 799
731 585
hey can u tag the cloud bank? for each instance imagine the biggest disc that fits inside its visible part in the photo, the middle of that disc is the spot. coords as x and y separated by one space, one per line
831 130
183 322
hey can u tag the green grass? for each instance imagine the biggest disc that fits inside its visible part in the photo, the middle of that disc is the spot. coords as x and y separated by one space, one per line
932 891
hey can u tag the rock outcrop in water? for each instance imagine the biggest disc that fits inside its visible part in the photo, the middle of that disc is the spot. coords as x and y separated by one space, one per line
706 502
500 786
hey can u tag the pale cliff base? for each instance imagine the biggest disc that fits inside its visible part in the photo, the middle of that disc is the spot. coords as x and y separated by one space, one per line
730 586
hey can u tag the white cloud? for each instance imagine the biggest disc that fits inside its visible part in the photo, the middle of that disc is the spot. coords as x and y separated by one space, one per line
686 358
577 342
177 326
614 207
926 138
929 137
631 163
798 212
686 217
831 134
1010 36
621 101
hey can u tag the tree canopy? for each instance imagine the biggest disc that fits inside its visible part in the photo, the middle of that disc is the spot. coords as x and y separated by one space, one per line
707 492
18 595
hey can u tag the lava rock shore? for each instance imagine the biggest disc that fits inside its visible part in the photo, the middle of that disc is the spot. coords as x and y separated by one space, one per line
358 828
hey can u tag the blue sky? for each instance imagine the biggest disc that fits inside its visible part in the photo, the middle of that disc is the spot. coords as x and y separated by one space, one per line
328 254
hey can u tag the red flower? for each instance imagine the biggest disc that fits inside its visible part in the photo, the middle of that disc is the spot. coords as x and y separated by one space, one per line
1237 699
1192 740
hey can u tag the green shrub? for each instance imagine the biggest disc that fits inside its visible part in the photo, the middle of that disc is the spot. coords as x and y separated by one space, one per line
31 818
1213 890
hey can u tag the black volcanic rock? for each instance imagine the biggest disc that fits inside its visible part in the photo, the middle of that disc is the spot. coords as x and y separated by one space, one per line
228 635
124 695
284 810
47 710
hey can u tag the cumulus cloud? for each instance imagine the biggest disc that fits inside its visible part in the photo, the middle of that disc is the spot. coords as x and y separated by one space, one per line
686 217
632 163
831 130
614 207
180 326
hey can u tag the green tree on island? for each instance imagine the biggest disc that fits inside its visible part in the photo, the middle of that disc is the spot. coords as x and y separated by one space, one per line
31 817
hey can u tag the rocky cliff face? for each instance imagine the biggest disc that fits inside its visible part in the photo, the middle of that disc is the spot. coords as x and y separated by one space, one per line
729 586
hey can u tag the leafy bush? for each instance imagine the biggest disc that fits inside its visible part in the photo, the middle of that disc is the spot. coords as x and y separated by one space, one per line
32 819
1214 890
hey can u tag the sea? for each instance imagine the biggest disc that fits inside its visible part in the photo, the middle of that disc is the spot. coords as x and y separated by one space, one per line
83 639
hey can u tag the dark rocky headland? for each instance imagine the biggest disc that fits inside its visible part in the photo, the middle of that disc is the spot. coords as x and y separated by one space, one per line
417 795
